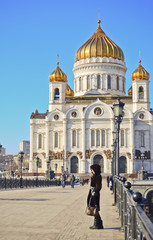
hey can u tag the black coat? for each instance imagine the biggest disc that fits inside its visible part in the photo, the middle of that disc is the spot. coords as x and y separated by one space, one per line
93 201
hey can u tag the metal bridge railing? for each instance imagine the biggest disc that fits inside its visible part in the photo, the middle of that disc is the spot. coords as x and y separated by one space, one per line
134 222
27 183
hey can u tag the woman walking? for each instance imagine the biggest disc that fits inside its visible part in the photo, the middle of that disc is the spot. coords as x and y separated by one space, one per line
94 195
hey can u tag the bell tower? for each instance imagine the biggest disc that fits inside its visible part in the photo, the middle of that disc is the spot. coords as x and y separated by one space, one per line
57 88
140 88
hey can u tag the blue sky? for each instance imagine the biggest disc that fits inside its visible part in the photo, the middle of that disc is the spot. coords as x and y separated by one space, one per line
32 32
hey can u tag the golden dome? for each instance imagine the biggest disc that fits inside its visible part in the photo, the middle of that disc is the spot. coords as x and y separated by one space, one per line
140 73
69 91
130 91
99 45
57 75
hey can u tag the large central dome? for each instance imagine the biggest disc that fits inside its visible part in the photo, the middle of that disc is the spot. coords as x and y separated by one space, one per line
99 45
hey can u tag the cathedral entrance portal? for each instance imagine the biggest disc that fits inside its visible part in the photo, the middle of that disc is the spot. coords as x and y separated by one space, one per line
74 164
98 159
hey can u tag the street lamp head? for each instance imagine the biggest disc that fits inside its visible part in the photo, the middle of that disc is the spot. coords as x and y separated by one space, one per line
0 147
21 154
118 109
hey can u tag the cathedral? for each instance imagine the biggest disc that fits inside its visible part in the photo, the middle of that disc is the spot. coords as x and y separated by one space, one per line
77 129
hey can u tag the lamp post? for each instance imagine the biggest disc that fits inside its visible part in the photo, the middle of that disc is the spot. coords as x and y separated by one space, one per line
113 159
21 154
37 163
11 172
118 115
0 148
62 168
114 152
142 157
49 166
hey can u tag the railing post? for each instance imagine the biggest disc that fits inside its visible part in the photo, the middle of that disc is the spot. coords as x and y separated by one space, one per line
122 203
5 183
133 222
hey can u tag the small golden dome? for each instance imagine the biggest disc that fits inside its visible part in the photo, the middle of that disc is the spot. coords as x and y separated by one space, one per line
99 45
57 75
130 91
69 91
140 73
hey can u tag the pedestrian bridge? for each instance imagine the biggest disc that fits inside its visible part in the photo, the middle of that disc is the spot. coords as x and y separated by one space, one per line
54 213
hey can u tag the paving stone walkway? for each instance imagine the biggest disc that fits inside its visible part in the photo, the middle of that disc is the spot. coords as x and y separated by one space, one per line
55 214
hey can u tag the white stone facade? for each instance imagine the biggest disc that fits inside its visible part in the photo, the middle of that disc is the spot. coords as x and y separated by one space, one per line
77 131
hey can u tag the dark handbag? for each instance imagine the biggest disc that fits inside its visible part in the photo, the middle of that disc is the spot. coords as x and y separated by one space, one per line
91 211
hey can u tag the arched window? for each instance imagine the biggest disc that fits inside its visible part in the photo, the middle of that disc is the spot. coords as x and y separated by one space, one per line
109 82
40 141
97 138
142 139
117 83
98 81
56 140
56 94
122 138
141 93
80 82
73 138
92 138
88 82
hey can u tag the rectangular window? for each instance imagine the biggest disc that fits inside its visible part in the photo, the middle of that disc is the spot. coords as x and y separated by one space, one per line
92 138
142 139
40 141
97 138
117 83
73 138
80 84
122 138
56 140
98 82
88 82
103 138
109 82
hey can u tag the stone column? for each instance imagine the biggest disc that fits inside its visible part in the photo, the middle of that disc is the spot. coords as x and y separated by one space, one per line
83 164
47 145
64 143
31 147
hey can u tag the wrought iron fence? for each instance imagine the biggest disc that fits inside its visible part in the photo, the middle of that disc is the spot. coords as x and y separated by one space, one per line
28 183
134 222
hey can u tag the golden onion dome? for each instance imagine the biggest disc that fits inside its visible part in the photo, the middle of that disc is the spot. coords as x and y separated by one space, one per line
99 45
140 73
57 75
69 91
130 91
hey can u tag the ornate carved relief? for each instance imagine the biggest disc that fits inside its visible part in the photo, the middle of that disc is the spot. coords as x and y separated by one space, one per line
57 155
80 154
68 154
36 153
128 155
107 153
89 153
